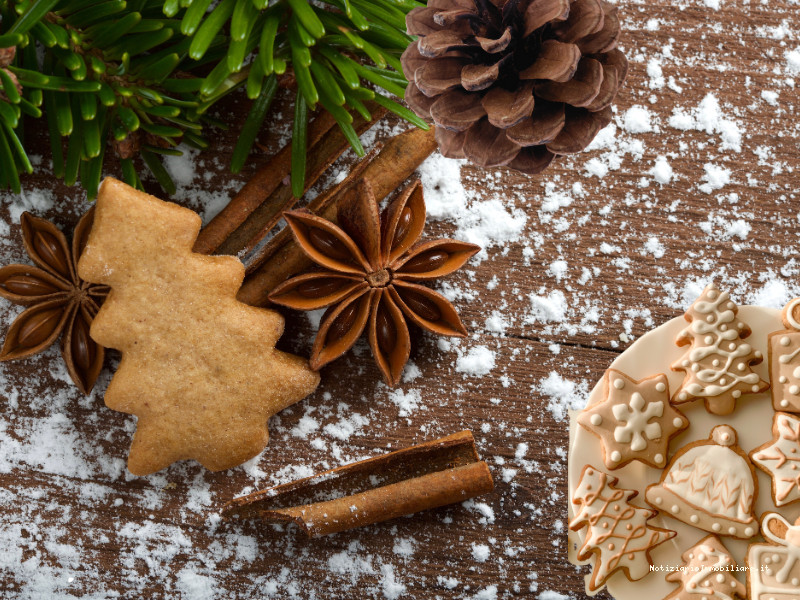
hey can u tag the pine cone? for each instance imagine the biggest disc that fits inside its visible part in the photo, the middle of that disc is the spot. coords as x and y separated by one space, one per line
514 82
7 56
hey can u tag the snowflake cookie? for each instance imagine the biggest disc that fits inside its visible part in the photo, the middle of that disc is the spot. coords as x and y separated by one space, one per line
710 484
618 534
780 458
718 363
706 573
635 421
784 360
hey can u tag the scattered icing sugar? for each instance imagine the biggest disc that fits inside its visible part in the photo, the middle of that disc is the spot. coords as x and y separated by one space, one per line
563 394
478 361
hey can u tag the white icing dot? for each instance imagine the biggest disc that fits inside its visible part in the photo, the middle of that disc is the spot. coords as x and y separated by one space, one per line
660 387
732 530
723 327
776 558
795 581
596 419
725 436
749 531
695 367
709 339
736 393
732 346
715 362
675 509
659 458
616 456
794 390
723 381
694 519
784 403
757 354
710 318
659 501
785 341
782 379
716 527
755 388
677 422
741 366
712 294
767 560
619 384
720 578
683 396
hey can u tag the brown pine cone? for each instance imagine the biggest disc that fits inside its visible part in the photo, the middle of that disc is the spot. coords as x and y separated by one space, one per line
514 82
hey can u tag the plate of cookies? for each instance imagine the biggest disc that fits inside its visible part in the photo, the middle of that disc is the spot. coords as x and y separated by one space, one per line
684 467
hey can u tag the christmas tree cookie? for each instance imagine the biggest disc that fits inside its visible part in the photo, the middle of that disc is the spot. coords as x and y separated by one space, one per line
718 363
618 532
706 573
199 369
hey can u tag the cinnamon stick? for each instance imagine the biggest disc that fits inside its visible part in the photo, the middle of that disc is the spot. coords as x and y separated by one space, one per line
265 216
397 160
433 474
257 189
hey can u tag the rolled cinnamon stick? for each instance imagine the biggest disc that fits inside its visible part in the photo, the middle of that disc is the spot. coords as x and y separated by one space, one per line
397 160
265 181
429 475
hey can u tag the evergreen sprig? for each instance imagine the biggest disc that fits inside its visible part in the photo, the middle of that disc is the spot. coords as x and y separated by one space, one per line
143 74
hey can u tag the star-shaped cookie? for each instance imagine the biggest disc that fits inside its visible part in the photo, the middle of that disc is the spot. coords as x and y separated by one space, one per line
635 421
780 458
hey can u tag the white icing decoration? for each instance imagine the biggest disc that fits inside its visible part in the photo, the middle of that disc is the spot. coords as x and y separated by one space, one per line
714 478
596 419
699 583
619 384
659 458
660 387
616 456
677 422
715 380
636 415
790 557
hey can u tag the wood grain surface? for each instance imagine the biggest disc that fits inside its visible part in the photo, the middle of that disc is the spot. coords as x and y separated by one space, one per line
606 253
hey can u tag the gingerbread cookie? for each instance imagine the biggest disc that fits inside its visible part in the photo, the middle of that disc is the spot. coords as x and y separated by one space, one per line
635 421
710 484
780 458
784 360
618 534
774 572
718 364
706 573
199 369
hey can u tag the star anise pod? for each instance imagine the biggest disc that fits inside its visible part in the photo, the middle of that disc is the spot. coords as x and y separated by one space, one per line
370 266
58 300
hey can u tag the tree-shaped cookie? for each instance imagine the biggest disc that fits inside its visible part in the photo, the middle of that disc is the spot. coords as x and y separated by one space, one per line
635 420
618 533
706 573
718 363
780 458
199 369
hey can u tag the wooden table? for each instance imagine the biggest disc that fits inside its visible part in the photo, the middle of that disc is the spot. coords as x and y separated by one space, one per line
626 252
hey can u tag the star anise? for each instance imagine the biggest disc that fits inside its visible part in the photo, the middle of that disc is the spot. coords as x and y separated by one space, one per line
58 300
370 264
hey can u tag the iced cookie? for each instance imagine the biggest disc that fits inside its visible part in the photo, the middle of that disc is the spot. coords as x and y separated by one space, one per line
718 363
706 573
780 458
784 360
774 572
711 485
635 421
618 534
